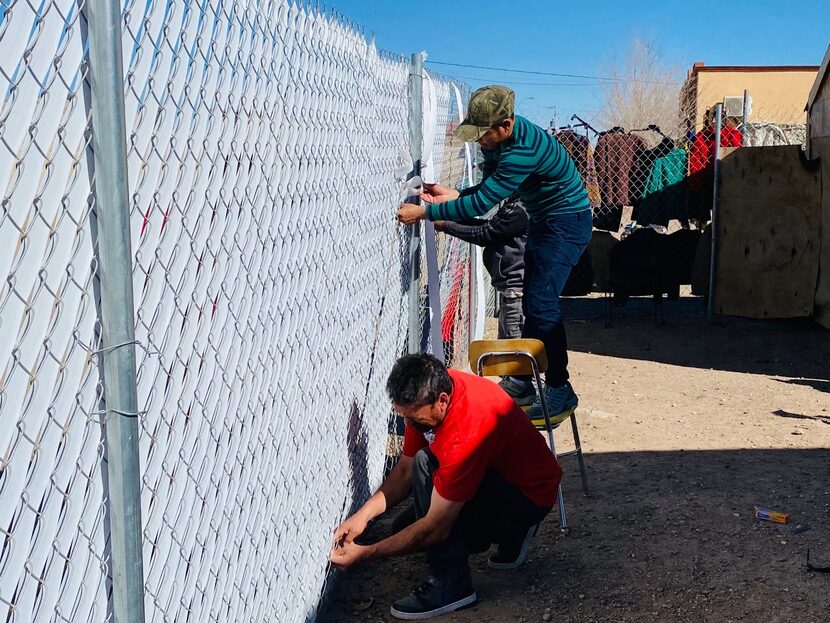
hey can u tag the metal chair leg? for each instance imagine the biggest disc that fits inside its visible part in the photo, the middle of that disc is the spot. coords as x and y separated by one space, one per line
560 500
609 309
657 304
563 519
582 472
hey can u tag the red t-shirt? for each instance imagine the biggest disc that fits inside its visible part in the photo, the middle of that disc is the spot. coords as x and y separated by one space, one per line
483 429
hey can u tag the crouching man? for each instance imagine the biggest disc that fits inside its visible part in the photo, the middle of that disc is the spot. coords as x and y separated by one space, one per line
479 473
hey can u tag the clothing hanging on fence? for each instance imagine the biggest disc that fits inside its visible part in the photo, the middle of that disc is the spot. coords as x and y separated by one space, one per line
614 157
664 194
591 182
703 146
608 217
643 164
702 167
651 138
648 262
581 151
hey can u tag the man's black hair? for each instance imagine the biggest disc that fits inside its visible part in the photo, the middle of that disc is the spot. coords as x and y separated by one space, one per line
418 380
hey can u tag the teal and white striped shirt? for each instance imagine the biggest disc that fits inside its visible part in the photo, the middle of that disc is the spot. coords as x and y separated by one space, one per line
530 161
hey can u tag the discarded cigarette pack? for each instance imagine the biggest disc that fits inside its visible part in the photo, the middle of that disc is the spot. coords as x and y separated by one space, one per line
773 516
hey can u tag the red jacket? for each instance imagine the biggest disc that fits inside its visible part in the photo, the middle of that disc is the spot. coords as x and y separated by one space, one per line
703 147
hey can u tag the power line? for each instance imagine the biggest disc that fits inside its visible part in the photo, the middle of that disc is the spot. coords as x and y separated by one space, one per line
549 73
453 74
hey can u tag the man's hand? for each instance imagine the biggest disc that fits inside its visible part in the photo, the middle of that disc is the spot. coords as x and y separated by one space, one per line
349 555
435 193
439 225
349 530
409 213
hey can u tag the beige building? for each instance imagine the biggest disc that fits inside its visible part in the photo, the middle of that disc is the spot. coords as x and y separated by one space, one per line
778 93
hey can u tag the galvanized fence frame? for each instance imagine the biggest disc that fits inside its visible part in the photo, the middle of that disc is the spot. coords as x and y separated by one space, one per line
203 289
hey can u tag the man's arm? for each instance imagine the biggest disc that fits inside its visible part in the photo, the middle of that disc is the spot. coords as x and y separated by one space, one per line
508 223
512 170
394 489
470 190
427 531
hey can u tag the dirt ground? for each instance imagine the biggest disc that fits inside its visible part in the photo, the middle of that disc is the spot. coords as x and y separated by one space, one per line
686 428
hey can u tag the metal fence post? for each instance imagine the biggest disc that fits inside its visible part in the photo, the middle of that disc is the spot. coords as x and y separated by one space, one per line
106 81
416 91
710 308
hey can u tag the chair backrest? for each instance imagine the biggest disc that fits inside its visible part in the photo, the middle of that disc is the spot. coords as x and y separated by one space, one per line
507 357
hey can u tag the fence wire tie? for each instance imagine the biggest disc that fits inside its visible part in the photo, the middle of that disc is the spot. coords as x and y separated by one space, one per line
134 414
123 344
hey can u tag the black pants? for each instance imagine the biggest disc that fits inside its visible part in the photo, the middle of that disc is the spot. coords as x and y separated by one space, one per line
554 246
499 513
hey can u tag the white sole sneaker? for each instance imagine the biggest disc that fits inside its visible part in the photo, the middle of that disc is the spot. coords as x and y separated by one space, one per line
420 616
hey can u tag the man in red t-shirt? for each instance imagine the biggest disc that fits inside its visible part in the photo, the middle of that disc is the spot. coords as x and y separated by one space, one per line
479 473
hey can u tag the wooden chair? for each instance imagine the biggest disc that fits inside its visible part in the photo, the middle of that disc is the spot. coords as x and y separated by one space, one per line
527 357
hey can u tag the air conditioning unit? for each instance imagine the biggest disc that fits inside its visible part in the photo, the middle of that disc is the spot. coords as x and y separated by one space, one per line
733 106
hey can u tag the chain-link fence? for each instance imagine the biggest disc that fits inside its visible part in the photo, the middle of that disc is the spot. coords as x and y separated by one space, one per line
651 189
270 282
451 161
53 518
446 295
270 313
271 287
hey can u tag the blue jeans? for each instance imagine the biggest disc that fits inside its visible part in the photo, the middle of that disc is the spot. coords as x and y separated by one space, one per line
553 248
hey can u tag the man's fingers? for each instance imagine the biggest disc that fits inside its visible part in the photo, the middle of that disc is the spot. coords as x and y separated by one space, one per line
339 535
334 558
339 559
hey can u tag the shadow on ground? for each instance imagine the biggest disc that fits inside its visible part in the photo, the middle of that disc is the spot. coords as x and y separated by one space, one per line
665 536
799 349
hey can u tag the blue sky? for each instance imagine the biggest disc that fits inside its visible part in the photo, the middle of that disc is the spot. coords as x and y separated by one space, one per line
582 37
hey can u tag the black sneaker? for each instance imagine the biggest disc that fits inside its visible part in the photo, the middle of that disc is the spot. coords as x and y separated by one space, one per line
429 600
511 555
522 392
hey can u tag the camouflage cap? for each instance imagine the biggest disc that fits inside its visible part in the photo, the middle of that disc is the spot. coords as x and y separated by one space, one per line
487 107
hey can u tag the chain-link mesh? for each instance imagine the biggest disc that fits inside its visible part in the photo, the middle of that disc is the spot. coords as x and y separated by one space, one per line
270 283
651 190
447 161
53 560
451 163
269 294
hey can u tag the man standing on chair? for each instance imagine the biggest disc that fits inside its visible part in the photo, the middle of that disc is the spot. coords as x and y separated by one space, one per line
479 473
526 159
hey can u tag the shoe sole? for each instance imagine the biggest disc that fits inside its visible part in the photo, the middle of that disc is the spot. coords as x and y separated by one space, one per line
509 566
555 420
419 616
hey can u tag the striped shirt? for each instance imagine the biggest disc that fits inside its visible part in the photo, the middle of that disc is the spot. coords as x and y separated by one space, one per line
530 161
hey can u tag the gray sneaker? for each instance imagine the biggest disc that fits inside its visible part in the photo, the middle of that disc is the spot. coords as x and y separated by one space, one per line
521 392
558 400
429 599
